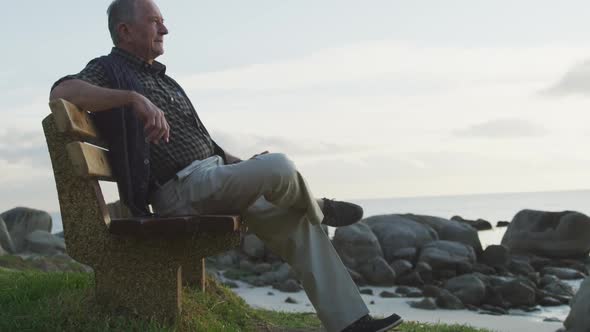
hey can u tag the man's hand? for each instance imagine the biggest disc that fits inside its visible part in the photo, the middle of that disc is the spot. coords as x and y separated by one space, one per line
155 125
259 154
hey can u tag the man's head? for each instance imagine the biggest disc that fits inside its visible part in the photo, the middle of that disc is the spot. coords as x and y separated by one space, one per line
137 26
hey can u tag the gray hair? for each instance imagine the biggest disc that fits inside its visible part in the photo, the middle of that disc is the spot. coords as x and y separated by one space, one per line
120 11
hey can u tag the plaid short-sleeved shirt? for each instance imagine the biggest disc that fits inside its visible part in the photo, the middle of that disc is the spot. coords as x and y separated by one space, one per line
189 140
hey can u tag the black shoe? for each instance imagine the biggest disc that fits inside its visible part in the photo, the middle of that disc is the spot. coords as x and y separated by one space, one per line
370 324
337 213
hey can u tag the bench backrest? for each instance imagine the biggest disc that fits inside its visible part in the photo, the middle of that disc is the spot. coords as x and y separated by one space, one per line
79 160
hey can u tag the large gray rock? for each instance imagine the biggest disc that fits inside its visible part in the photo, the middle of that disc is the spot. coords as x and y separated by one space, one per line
563 273
377 272
401 266
447 255
5 239
495 255
517 293
553 234
479 224
21 221
253 246
468 288
448 300
44 243
356 245
578 319
396 232
451 230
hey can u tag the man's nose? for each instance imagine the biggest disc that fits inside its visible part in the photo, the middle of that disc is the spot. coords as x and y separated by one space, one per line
163 29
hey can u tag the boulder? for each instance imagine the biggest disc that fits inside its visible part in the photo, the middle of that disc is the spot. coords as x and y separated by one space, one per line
5 239
517 293
281 274
447 255
411 279
468 288
559 288
502 223
401 267
21 221
356 245
388 294
253 246
377 272
578 319
44 243
366 291
425 272
548 279
451 230
563 273
409 254
426 303
261 268
431 291
495 255
520 267
553 234
448 300
396 232
288 286
405 290
479 224
356 277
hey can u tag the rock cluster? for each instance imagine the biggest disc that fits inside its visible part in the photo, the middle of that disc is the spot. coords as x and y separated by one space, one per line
26 242
442 260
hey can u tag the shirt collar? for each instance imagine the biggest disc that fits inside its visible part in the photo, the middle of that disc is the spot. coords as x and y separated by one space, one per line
155 67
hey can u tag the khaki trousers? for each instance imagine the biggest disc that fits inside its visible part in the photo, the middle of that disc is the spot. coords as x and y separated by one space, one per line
279 208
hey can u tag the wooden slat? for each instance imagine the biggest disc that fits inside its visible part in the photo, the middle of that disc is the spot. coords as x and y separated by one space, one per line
175 226
70 119
90 161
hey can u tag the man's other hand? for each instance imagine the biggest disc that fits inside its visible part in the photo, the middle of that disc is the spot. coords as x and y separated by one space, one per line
155 125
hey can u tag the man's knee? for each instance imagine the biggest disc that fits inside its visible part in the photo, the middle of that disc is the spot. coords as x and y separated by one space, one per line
280 166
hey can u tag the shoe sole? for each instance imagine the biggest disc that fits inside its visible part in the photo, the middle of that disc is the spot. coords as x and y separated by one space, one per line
394 324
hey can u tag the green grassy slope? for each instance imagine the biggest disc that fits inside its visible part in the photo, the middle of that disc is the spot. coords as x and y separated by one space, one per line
34 301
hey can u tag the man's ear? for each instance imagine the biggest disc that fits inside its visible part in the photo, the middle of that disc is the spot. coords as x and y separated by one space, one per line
123 32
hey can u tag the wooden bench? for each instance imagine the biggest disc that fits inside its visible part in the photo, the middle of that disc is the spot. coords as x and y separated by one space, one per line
140 264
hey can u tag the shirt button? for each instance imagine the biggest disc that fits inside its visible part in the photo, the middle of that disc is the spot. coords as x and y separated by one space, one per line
146 161
171 99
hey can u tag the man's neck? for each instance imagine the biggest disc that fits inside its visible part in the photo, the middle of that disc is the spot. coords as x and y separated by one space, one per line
132 51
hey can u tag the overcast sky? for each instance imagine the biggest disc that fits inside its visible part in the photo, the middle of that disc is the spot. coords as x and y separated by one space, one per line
369 98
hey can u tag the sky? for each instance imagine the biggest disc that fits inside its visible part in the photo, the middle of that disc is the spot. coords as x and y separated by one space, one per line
371 99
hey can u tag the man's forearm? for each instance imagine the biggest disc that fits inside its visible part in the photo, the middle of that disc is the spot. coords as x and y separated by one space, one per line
91 97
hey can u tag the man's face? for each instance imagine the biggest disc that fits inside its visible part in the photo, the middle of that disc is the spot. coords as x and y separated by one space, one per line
145 36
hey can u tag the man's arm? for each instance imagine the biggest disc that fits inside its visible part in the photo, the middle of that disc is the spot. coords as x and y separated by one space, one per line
96 99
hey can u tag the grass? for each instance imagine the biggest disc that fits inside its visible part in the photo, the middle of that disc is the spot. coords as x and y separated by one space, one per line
34 301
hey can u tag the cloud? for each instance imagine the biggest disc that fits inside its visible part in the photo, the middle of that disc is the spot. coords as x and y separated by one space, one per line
24 146
390 60
502 128
246 145
575 82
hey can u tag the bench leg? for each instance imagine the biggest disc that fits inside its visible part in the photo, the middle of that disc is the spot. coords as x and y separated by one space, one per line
194 275
147 289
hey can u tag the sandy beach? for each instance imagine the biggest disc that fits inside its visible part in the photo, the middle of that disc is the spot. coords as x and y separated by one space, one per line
518 321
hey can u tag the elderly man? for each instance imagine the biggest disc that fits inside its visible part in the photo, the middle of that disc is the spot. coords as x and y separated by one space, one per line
162 155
